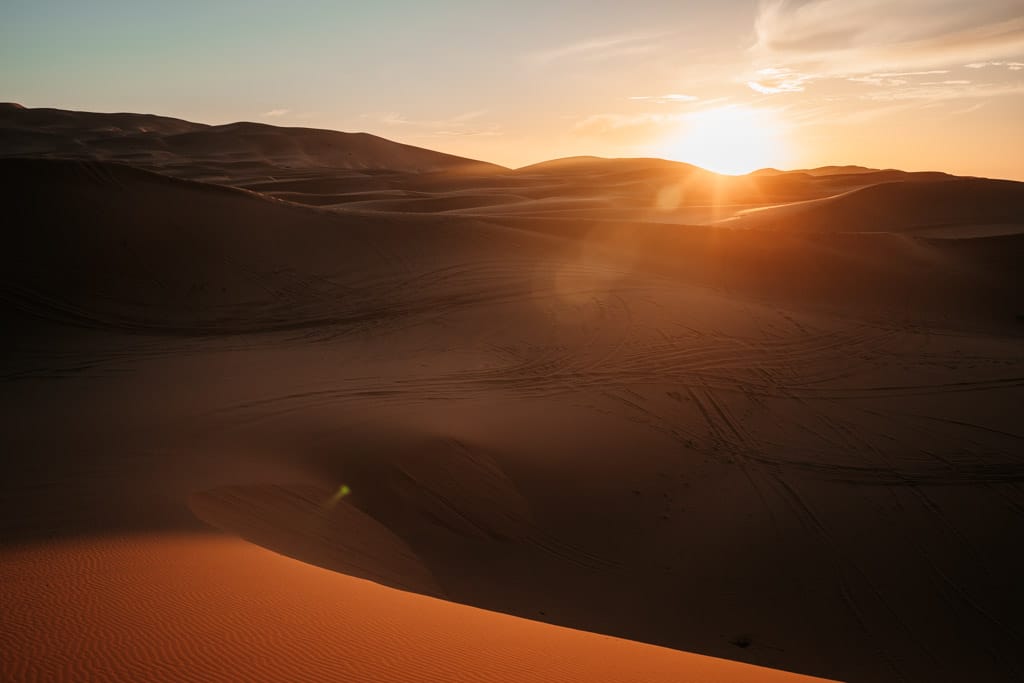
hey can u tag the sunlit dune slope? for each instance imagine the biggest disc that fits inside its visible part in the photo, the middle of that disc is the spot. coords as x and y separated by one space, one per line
208 608
909 206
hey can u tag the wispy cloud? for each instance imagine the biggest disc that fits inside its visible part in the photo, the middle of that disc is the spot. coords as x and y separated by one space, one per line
624 125
917 73
969 109
469 115
948 90
604 47
1012 66
775 80
847 37
459 124
274 113
867 112
894 78
471 133
669 98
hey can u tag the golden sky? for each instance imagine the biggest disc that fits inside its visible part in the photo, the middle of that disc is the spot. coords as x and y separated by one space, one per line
732 85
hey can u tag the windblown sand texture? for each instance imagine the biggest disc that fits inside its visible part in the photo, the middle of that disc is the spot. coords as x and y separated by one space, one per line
772 419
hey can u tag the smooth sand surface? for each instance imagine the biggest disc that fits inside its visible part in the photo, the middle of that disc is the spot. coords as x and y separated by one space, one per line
205 608
798 448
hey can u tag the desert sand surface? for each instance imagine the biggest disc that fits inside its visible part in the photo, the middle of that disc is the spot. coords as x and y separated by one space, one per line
179 607
596 395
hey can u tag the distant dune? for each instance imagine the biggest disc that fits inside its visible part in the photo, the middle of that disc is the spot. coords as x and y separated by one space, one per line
328 168
543 404
822 170
179 145
189 257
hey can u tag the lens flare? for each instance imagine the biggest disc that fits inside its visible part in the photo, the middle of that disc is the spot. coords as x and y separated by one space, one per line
342 491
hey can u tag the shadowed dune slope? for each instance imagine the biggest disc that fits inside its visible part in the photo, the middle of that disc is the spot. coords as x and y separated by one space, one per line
795 449
542 391
177 145
110 245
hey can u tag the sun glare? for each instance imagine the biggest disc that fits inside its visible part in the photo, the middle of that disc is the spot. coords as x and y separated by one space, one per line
731 140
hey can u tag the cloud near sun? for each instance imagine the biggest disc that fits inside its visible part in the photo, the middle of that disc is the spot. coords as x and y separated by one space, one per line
811 61
821 38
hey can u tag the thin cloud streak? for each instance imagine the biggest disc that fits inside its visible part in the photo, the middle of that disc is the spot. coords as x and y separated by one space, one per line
949 90
1012 66
895 78
458 125
845 37
670 98
599 48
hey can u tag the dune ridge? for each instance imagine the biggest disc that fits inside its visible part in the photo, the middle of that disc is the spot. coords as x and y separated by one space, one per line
363 172
210 609
160 141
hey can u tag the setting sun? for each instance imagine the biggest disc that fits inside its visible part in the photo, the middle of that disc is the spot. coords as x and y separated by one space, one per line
731 140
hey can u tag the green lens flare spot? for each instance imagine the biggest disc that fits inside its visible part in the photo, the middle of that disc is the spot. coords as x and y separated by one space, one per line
342 491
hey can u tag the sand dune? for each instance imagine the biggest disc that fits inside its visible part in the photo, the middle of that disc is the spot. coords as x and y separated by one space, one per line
188 257
191 257
325 168
195 608
908 206
176 145
848 170
796 448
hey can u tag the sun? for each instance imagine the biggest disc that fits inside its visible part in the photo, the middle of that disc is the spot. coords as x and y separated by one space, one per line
731 140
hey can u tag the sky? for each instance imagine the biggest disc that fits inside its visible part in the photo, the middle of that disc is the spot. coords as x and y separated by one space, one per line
731 85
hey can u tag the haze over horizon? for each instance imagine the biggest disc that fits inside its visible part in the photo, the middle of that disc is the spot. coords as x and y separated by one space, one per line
735 86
